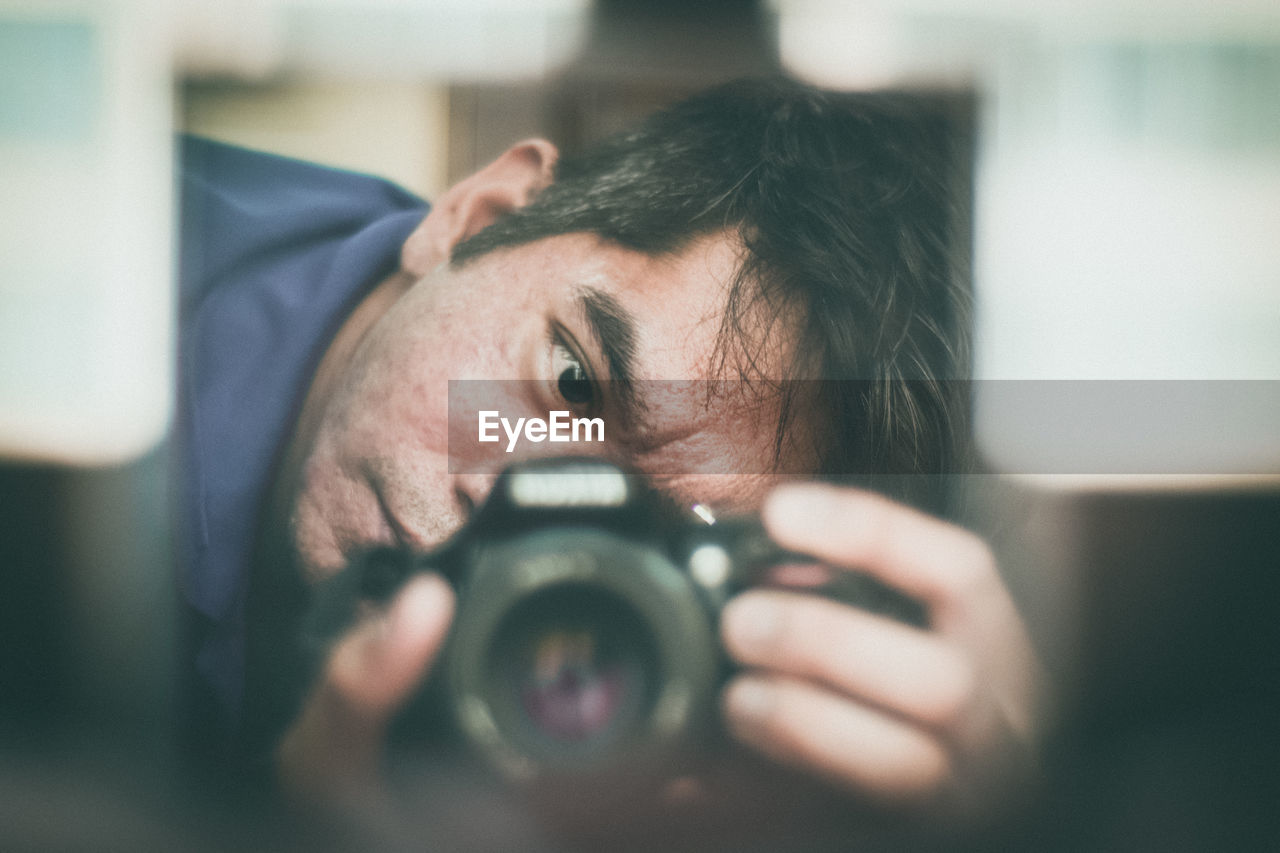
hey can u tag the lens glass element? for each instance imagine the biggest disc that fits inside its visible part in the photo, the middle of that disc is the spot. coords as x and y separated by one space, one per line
576 668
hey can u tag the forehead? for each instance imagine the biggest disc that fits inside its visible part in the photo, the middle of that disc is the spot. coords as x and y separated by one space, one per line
708 434
678 301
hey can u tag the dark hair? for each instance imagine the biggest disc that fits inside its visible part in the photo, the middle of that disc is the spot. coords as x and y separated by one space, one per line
851 209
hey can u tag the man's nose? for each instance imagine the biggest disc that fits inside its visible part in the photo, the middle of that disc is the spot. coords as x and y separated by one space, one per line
471 489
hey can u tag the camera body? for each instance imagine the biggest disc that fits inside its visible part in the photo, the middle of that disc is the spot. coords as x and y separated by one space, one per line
585 637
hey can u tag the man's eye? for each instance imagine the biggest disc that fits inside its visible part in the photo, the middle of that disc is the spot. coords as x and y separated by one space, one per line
572 380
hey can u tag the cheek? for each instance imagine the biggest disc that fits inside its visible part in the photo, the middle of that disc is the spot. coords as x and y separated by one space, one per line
395 392
394 401
394 405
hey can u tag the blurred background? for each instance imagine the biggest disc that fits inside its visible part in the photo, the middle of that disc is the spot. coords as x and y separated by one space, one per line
1126 266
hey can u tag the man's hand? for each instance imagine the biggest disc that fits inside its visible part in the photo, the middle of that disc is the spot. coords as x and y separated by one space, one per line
901 714
332 754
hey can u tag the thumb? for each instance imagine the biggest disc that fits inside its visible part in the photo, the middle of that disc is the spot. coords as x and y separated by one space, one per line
370 674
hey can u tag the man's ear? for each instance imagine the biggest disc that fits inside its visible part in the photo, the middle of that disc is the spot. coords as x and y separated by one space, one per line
509 182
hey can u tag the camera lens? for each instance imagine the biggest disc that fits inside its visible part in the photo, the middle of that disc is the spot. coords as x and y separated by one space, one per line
575 668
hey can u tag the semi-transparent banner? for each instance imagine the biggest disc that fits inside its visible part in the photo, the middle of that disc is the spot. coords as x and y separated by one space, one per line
1035 427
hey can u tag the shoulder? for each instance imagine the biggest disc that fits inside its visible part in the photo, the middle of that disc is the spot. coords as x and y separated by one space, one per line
239 206
218 177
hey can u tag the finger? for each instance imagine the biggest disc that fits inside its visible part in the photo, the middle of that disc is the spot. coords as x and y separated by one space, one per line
370 674
806 726
927 558
912 673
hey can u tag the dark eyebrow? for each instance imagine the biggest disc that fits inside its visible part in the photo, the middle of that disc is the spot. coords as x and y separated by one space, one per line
614 329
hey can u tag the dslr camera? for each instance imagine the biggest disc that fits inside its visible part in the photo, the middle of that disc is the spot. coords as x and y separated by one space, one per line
585 638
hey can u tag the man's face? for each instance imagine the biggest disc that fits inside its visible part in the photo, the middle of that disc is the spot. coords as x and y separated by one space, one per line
379 470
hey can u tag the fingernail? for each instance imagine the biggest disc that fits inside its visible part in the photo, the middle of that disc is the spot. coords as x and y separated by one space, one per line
420 603
791 505
750 700
752 623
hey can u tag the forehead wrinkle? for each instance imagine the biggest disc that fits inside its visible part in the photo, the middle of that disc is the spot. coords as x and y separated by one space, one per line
690 409
734 438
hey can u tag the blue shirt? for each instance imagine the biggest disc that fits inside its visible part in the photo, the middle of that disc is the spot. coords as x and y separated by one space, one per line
274 254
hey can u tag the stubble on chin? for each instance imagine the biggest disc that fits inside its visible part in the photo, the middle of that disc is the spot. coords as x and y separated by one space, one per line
314 546
418 492
332 518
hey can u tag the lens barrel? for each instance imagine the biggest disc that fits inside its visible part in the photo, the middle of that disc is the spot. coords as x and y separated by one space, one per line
578 652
